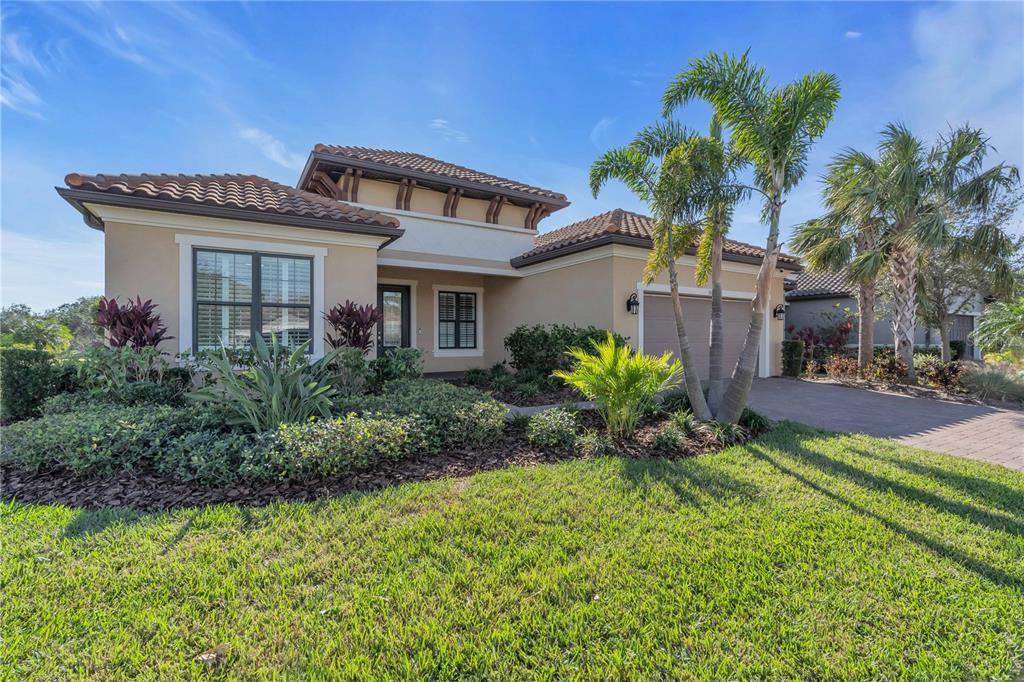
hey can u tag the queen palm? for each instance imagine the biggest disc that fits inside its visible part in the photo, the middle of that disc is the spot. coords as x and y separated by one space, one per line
773 128
644 168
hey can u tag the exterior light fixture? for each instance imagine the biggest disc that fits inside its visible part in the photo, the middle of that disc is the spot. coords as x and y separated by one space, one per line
779 313
633 304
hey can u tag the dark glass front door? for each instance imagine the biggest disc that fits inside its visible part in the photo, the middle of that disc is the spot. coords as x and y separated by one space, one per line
393 304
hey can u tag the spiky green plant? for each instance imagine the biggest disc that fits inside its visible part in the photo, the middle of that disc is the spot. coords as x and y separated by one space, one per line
1001 326
621 383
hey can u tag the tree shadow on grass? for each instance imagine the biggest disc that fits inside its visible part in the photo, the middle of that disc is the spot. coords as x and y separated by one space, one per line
693 482
993 493
92 521
980 568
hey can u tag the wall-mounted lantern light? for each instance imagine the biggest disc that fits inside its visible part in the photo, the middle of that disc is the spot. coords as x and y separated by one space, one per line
779 313
633 304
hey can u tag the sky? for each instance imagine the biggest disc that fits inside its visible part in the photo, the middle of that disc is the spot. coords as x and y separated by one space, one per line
533 92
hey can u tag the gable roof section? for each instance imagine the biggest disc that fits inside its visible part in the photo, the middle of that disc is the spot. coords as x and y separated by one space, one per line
387 162
625 227
240 197
820 285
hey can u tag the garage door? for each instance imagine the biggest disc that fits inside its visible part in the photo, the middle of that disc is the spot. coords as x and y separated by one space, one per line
660 328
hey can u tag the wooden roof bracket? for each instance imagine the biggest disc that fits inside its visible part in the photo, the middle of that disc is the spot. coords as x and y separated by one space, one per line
400 197
448 202
408 195
538 216
528 221
353 195
321 183
455 202
345 181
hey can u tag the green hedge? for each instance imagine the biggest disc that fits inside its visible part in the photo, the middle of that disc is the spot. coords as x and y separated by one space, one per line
543 348
792 358
26 379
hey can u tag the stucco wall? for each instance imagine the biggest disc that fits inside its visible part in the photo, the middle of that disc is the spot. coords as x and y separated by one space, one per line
382 194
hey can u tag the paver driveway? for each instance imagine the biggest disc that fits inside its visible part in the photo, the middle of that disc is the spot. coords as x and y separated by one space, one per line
976 431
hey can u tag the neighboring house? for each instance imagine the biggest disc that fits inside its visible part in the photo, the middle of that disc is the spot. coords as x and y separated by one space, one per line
812 294
452 257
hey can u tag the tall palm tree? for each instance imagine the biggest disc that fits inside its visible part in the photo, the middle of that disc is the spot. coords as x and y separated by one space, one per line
773 128
643 167
850 229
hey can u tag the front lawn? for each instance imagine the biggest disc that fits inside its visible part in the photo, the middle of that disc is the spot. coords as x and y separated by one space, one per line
800 555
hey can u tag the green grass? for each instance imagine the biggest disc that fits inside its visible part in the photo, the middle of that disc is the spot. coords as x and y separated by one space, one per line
806 555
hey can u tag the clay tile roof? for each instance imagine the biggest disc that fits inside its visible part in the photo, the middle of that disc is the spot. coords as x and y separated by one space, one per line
820 284
425 164
628 225
245 193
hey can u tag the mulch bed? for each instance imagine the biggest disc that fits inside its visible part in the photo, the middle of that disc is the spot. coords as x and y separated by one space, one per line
148 491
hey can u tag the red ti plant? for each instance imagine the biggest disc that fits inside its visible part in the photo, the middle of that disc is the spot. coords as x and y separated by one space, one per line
352 324
134 324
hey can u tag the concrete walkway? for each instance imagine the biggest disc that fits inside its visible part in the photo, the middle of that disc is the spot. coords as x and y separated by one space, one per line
975 431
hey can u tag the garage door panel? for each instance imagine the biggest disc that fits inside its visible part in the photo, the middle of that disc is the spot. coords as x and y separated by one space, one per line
660 328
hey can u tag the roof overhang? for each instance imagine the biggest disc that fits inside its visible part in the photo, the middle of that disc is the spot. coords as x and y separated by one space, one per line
627 240
79 198
327 162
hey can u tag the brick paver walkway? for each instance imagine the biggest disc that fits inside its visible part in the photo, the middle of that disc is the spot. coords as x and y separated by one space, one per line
975 431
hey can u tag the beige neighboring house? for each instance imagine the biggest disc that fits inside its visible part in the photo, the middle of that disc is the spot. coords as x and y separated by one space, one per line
452 256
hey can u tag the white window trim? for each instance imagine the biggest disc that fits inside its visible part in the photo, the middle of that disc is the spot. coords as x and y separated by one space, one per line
414 331
188 242
459 352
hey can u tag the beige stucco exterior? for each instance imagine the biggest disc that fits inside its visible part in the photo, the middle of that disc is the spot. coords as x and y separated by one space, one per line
382 194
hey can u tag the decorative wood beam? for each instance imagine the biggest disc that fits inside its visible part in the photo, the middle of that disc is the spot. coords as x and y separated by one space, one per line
490 210
408 194
528 221
321 183
400 197
455 203
538 216
448 202
497 209
346 180
354 190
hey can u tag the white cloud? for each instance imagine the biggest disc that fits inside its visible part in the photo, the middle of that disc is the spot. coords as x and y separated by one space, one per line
853 35
272 148
444 128
599 133
43 273
18 61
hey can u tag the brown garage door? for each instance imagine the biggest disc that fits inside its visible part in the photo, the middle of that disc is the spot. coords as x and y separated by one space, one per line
660 328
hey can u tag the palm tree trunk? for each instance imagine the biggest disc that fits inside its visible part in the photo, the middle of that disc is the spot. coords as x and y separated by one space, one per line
944 329
866 324
738 391
691 379
716 384
903 269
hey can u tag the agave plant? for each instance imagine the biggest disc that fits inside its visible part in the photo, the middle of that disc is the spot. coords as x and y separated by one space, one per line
280 386
135 324
621 383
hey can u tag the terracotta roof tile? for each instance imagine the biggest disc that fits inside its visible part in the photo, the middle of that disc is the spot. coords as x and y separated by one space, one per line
814 284
244 192
426 164
628 224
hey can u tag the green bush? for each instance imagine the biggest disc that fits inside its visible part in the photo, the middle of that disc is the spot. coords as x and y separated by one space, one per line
945 375
111 370
792 358
352 372
594 443
754 422
668 437
397 363
135 394
477 377
544 348
554 429
993 383
330 447
445 415
26 379
684 421
886 368
725 434
217 457
621 383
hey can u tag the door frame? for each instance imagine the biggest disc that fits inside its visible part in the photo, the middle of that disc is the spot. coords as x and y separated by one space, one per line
410 286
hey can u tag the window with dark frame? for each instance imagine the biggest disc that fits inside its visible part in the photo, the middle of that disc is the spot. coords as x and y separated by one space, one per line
456 320
239 294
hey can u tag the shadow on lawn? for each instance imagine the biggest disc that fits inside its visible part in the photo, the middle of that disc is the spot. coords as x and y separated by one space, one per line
887 486
90 522
692 481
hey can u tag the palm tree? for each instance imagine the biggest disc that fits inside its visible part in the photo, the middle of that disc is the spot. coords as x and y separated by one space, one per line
1001 327
642 166
849 229
773 128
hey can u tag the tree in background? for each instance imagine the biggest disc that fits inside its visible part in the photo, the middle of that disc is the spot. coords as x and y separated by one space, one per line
71 326
79 317
774 129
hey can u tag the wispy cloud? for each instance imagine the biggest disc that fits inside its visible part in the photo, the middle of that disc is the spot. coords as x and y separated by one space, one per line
853 35
20 63
79 264
599 133
444 128
272 148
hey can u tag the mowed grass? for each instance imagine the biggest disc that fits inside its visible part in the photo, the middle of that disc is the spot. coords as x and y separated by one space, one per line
804 555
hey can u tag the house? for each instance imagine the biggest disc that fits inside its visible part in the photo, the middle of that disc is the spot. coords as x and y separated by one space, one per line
810 295
454 258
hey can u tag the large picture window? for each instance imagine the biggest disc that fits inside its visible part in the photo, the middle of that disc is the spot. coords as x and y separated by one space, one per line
237 295
456 323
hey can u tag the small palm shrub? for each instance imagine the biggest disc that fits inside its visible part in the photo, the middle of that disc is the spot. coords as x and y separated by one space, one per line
554 429
841 367
622 384
280 386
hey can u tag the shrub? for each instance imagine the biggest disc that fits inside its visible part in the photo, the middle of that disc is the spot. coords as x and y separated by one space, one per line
476 377
528 389
725 434
668 437
886 368
675 400
958 349
330 447
993 383
841 367
544 348
813 368
684 421
945 375
754 422
503 382
792 357
113 370
593 443
217 458
554 429
397 363
621 383
352 372
134 324
278 387
26 378
352 324
445 415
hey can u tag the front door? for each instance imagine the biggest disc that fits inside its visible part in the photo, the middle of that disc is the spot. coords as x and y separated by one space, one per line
393 304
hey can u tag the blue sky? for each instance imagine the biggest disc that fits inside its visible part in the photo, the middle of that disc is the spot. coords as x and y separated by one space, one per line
530 91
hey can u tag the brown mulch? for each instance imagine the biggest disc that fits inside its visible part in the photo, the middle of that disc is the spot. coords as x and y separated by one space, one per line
149 491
